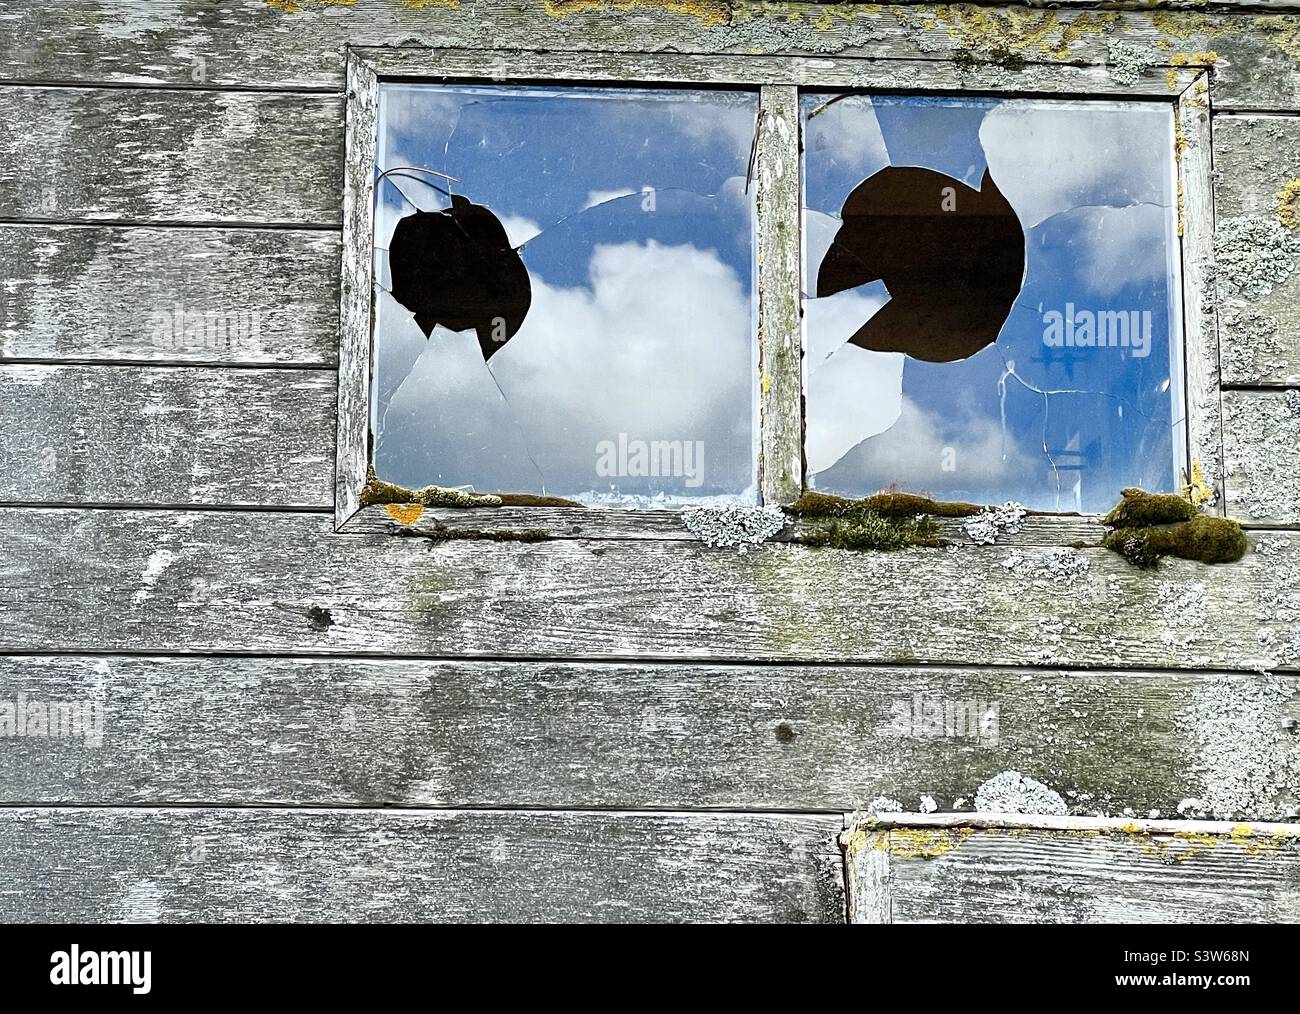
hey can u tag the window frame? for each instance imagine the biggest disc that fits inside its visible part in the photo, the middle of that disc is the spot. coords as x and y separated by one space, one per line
777 181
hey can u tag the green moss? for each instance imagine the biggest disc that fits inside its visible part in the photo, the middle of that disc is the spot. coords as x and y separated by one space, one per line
892 505
377 491
531 500
1138 508
1204 538
865 531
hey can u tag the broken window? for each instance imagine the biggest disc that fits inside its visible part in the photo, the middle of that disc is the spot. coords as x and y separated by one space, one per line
565 292
990 292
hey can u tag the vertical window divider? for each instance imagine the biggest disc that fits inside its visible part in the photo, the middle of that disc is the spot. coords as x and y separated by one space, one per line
1204 400
780 332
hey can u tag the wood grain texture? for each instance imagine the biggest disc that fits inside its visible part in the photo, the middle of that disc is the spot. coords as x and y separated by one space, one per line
1021 875
258 865
780 331
144 155
1262 432
356 732
1255 157
666 525
84 581
1194 154
819 71
103 293
356 317
190 43
165 435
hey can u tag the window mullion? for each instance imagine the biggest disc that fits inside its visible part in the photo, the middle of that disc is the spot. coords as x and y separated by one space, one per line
776 175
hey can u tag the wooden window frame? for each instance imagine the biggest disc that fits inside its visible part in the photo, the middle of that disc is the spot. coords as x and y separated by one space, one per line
777 168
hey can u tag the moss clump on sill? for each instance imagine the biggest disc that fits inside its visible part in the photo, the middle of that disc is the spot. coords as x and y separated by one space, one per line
377 491
1147 526
867 530
1138 508
532 500
891 505
1204 538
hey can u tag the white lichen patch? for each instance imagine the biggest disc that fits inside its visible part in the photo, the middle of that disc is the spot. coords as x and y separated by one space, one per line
1057 566
1012 792
1181 606
733 525
1254 254
985 527
1128 60
885 804
1249 348
1246 757
1262 450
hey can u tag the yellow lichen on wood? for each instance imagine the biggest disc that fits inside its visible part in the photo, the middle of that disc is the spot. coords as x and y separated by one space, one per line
1196 490
415 5
1288 209
1006 34
296 6
405 513
1283 31
920 843
708 12
1203 58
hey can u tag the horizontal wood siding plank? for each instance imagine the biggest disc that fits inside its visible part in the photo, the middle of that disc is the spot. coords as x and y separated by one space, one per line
1081 876
199 582
356 732
165 435
190 42
257 865
105 293
144 155
1261 431
1255 158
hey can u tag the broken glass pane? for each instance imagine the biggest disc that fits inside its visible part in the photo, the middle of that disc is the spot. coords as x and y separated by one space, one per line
990 298
565 292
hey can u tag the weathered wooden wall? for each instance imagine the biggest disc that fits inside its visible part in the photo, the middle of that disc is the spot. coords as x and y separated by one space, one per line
274 689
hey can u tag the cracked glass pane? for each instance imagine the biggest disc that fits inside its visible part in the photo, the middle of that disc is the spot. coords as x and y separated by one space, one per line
565 298
990 298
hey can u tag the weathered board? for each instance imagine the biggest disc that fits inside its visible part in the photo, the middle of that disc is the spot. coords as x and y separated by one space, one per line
190 43
1262 442
1099 873
111 294
232 581
365 732
171 155
165 435
259 865
1256 158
